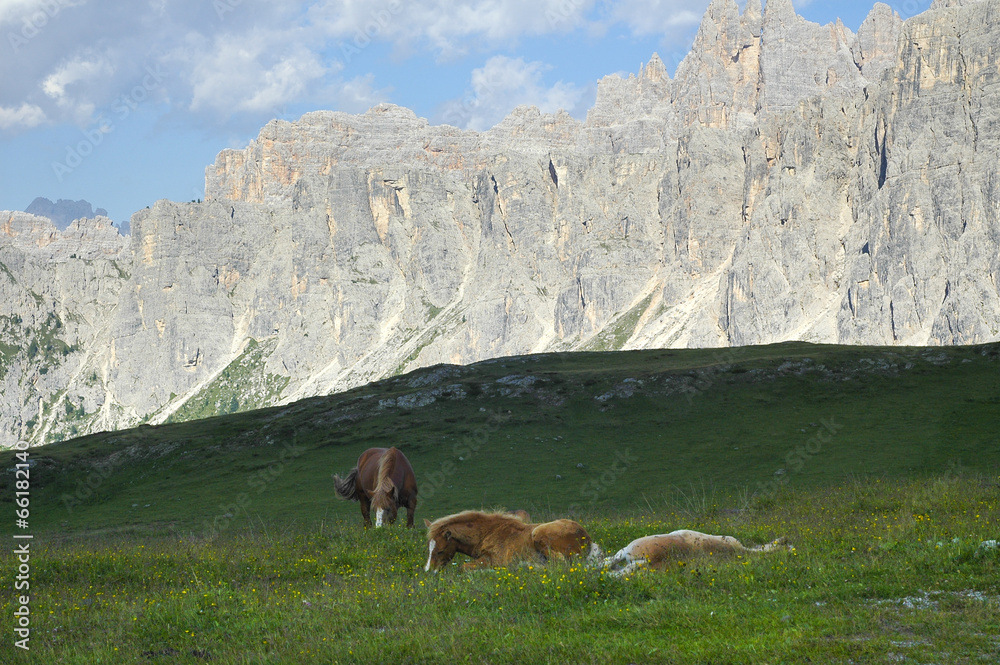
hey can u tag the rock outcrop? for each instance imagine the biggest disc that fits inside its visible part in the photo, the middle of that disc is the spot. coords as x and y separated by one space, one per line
792 181
59 291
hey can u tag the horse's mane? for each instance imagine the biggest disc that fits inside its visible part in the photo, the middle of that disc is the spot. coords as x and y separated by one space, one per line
383 483
475 516
386 465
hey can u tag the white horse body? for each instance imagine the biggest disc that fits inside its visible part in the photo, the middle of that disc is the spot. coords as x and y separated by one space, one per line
655 551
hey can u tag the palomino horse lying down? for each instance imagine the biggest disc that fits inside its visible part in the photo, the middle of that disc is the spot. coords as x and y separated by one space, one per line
658 551
498 539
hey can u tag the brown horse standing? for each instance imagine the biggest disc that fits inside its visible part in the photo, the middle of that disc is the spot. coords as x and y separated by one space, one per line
497 539
383 480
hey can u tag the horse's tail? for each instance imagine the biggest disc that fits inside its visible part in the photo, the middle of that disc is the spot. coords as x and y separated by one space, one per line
347 488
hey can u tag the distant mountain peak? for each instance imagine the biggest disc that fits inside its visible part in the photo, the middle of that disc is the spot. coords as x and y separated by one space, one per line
63 212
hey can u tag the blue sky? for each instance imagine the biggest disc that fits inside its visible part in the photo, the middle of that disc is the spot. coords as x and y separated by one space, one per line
122 104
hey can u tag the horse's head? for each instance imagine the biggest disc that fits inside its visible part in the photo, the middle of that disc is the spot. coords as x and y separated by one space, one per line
383 502
441 547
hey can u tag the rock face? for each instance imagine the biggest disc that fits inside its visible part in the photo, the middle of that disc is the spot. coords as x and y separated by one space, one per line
793 181
59 291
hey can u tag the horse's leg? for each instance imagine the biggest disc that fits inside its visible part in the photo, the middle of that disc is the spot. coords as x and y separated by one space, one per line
365 509
724 545
629 569
617 557
411 508
777 544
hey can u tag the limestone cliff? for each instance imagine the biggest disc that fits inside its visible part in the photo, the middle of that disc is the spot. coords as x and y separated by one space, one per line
792 181
59 291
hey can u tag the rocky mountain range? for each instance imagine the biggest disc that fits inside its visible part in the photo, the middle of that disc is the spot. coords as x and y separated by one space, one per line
64 211
790 182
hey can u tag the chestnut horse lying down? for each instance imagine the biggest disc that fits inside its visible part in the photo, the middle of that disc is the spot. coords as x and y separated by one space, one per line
498 539
520 514
658 551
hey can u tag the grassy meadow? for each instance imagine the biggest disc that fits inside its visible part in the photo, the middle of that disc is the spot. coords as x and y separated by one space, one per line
881 572
220 540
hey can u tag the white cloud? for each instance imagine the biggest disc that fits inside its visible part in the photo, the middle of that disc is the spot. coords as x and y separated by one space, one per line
251 57
79 57
504 83
32 15
73 83
358 94
252 73
78 70
445 26
670 18
27 116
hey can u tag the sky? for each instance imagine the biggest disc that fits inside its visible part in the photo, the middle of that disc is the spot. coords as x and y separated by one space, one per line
123 104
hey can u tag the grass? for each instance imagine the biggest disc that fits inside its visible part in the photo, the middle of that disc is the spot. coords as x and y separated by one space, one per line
618 333
881 572
7 353
427 338
45 349
47 343
219 540
575 433
242 385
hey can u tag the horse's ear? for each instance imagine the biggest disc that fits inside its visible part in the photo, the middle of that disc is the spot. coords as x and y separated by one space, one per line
370 493
427 523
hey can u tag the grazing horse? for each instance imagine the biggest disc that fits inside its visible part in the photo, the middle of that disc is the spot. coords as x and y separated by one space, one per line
498 539
383 480
658 551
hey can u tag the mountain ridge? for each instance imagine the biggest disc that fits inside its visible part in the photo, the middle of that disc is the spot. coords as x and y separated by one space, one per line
792 181
63 212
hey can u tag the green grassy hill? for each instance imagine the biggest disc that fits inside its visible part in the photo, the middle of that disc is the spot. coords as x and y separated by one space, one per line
585 433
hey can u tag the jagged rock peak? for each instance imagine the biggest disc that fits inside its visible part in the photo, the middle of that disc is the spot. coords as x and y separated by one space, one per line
778 10
716 84
654 70
753 17
875 45
720 28
801 59
634 114
387 109
721 9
